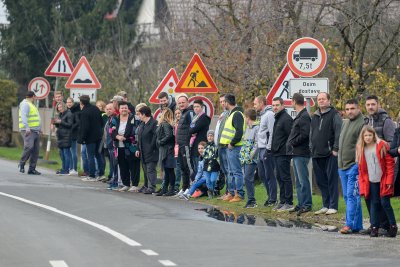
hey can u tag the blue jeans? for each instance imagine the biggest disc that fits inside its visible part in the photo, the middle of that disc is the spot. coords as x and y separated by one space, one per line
351 194
266 168
223 162
178 175
300 166
235 171
211 178
73 165
65 159
85 161
377 203
196 185
92 151
248 172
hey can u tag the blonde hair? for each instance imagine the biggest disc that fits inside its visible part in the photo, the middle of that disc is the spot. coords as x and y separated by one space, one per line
101 104
62 104
361 143
139 106
168 116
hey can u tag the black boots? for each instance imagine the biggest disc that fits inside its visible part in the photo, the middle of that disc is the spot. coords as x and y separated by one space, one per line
21 168
374 232
392 232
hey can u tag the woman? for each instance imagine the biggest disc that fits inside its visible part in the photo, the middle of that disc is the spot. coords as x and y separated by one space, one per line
165 143
74 108
123 132
178 172
198 130
64 130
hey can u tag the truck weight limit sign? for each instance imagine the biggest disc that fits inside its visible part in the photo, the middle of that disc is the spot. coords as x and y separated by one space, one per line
306 57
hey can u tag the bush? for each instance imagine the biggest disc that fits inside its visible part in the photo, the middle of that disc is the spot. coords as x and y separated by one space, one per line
8 96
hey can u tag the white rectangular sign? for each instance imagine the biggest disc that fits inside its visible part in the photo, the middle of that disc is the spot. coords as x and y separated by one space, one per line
309 87
76 93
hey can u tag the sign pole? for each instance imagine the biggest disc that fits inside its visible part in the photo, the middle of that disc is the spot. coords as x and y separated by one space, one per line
46 157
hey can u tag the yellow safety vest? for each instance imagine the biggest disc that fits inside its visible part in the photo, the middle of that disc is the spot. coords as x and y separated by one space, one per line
229 131
33 117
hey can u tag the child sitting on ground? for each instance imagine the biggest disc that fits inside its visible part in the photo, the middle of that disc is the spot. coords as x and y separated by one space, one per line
200 178
211 165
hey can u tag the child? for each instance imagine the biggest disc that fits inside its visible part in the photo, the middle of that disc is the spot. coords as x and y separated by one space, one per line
211 165
248 156
376 177
200 178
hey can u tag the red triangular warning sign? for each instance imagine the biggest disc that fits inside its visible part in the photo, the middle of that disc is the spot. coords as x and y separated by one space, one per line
83 77
196 78
168 85
61 65
281 87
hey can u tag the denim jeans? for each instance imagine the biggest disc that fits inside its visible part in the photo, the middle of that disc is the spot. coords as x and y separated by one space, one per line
327 177
378 203
113 168
92 151
65 159
178 175
282 164
196 185
85 161
73 164
223 162
266 168
248 172
235 171
300 165
351 194
211 178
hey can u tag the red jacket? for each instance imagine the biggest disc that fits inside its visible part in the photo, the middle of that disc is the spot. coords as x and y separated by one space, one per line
387 165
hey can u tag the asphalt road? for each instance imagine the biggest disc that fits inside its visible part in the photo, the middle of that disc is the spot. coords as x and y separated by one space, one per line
60 221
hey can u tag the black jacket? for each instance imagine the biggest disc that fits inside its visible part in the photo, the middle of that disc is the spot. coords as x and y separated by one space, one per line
64 130
130 142
200 128
165 140
299 138
282 127
147 141
183 135
325 132
394 145
90 125
237 123
75 110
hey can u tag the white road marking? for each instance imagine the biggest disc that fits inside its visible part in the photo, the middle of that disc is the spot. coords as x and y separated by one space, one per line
103 228
149 252
167 263
58 264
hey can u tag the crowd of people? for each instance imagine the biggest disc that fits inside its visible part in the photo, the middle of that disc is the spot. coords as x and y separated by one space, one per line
195 160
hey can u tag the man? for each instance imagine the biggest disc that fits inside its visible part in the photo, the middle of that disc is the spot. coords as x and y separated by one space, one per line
183 141
58 97
348 168
326 124
223 162
385 128
298 147
109 146
30 128
124 96
282 127
265 163
166 101
90 133
232 137
148 150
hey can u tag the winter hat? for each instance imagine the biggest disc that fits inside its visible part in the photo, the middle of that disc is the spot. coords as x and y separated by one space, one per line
212 132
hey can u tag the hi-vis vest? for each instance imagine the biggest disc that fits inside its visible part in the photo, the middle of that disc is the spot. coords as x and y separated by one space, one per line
33 116
229 131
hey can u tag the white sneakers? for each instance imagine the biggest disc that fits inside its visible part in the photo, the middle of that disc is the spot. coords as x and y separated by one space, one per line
133 189
325 211
73 172
124 189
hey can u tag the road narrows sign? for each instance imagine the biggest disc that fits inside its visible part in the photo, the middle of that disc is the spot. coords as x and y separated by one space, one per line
40 86
168 85
83 77
306 57
196 78
61 65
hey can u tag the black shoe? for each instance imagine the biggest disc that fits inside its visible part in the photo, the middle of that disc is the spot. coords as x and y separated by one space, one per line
366 231
21 168
374 232
142 189
269 203
170 193
34 172
296 209
148 191
303 210
251 205
160 193
392 232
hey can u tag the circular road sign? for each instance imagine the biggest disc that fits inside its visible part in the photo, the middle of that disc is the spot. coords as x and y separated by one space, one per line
306 57
40 86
